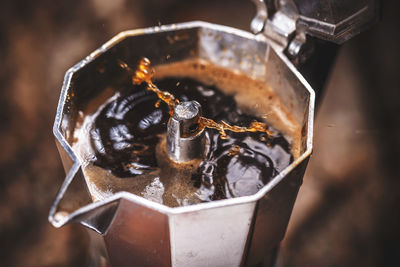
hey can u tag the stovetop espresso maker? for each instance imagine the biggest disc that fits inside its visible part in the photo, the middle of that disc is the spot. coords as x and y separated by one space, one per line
128 230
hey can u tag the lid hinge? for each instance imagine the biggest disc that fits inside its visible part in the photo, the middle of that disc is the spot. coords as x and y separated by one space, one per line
280 27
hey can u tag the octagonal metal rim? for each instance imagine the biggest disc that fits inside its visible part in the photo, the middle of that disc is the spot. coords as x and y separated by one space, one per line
140 200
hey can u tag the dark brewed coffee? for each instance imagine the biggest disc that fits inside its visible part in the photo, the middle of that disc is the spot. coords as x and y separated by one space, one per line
127 130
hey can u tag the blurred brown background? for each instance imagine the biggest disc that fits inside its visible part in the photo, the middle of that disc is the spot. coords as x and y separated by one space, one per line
347 210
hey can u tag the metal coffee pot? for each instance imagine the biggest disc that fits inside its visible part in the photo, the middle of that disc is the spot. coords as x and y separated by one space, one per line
128 230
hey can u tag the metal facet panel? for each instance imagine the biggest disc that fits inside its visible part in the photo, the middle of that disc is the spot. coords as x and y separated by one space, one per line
286 85
211 237
233 51
138 236
272 217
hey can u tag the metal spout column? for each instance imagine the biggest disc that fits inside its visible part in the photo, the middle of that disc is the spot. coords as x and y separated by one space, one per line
185 138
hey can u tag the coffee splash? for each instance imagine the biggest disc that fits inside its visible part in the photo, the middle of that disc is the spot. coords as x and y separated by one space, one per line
145 74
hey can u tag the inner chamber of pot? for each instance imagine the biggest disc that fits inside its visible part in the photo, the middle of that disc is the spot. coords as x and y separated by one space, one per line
120 137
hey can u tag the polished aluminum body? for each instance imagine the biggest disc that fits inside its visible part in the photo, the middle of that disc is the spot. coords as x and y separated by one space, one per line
128 230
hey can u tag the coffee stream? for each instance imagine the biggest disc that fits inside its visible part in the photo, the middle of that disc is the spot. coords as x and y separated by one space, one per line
144 74
130 127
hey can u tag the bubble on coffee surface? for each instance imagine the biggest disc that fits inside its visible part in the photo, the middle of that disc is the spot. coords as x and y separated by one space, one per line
126 135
